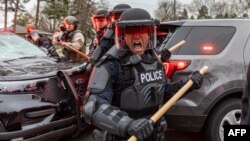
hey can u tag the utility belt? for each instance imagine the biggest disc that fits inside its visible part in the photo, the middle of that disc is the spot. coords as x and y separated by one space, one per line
158 134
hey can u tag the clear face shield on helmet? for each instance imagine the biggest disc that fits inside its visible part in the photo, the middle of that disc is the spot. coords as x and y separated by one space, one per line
136 35
99 23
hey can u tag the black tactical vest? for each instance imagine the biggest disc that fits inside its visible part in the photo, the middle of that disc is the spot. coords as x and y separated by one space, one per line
141 92
44 42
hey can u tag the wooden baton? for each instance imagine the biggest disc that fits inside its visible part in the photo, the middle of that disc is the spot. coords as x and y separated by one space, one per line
177 45
77 51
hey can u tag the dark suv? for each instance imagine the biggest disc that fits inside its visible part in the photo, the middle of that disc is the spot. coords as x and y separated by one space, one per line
40 97
222 45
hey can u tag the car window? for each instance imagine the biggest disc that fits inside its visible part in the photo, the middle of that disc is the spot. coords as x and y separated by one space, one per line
201 40
13 47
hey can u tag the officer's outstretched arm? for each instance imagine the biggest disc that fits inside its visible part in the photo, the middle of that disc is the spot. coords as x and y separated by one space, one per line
172 88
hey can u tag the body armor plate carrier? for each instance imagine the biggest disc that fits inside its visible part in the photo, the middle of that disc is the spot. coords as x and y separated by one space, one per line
145 95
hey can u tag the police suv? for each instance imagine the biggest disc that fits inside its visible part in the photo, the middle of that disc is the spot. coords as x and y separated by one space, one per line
222 45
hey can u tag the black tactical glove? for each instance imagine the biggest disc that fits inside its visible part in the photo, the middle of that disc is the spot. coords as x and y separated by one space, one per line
165 55
141 128
197 78
52 51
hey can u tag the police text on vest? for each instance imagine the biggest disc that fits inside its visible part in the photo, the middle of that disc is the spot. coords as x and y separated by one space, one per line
151 76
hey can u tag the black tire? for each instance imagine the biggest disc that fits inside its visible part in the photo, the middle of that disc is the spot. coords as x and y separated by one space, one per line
229 107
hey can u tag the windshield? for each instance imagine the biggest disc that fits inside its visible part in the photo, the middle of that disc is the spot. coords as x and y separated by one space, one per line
14 47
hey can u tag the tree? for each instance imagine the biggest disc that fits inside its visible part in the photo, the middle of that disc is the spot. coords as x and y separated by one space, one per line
203 12
245 15
16 5
185 14
12 6
238 8
25 18
165 10
4 7
55 10
82 10
226 15
217 9
220 8
203 7
103 4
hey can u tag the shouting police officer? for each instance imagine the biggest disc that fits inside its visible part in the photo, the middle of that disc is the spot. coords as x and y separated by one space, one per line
71 37
129 85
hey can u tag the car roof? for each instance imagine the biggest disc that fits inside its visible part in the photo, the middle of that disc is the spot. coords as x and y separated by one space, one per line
209 22
6 32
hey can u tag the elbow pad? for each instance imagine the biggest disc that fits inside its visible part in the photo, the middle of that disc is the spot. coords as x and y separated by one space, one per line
113 120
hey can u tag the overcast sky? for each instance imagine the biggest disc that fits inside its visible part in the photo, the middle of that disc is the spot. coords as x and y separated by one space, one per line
149 5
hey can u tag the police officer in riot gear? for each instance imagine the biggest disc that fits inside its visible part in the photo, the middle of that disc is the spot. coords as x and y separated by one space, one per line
42 41
128 84
117 11
107 40
99 22
71 37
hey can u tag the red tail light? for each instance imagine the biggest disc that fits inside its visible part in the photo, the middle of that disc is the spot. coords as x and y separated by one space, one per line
172 66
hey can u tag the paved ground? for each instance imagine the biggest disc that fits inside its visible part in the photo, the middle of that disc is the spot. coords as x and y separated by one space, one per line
171 136
184 136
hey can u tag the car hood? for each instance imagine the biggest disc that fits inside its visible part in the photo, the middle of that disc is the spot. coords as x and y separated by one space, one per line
33 68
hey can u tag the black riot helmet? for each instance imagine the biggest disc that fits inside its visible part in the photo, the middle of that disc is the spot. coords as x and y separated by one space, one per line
117 11
100 13
137 24
99 19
